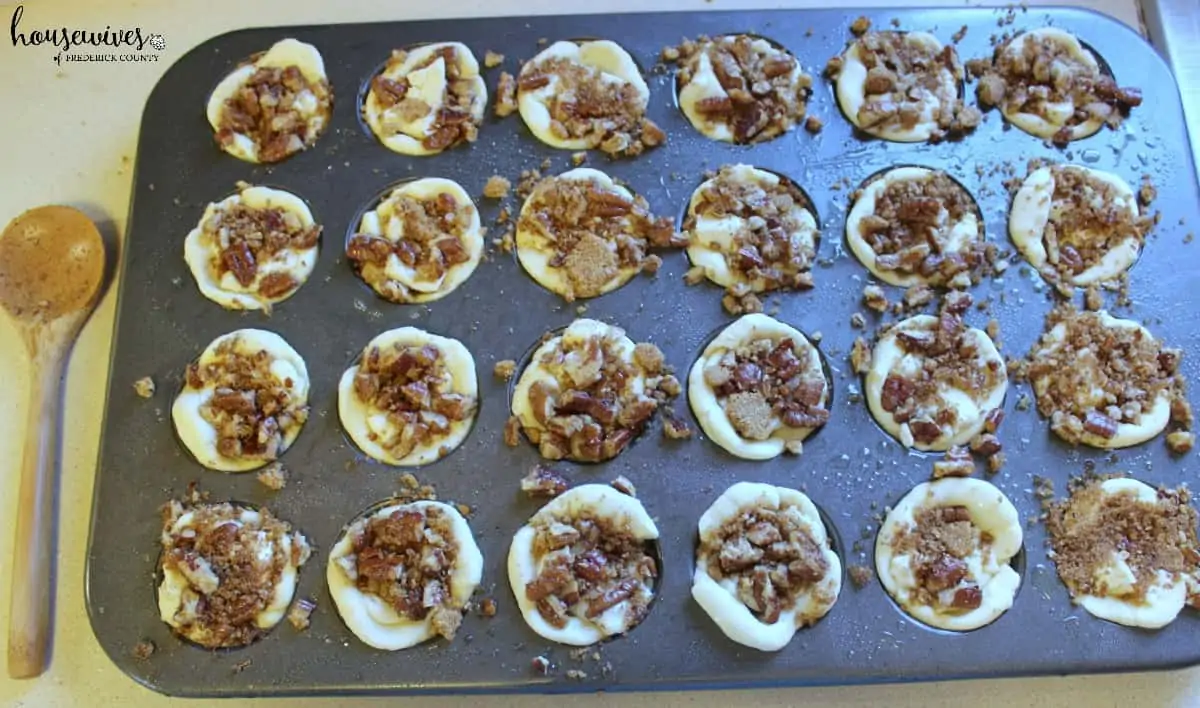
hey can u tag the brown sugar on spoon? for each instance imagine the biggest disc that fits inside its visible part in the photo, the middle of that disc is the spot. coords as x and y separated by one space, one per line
51 270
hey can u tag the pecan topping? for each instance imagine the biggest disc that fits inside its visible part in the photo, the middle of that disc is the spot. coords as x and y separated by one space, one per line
456 121
766 384
770 554
1089 217
229 582
598 236
591 105
413 387
590 410
764 93
588 566
775 243
1032 72
911 80
253 412
543 481
407 559
911 231
428 236
1092 527
951 359
280 110
1089 377
246 239
939 543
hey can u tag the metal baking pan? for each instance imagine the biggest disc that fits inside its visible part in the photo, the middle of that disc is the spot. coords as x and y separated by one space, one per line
851 469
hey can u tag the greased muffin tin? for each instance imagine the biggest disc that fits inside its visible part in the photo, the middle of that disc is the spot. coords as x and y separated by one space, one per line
851 469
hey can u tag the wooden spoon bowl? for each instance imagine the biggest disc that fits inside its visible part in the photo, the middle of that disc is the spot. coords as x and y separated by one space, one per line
51 271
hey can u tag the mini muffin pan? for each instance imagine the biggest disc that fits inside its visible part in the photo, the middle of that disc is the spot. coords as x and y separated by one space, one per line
851 469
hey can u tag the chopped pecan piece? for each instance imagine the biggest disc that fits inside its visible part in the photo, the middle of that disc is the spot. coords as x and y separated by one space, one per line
543 481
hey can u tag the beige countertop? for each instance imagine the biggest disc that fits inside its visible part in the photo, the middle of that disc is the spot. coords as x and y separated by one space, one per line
68 135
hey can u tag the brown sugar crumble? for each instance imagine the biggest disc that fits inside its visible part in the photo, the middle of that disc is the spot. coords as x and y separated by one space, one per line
406 559
1029 74
504 369
860 26
1092 526
497 187
413 387
412 490
910 231
144 649
772 557
910 81
253 412
506 95
217 552
814 124
588 105
860 356
860 576
248 237
1146 192
1131 368
599 237
1180 442
434 240
775 244
589 564
674 427
763 91
144 387
267 109
273 476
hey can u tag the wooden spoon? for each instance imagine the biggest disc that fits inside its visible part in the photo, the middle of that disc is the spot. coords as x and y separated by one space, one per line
51 269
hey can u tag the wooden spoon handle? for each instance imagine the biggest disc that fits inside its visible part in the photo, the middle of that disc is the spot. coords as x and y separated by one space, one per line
33 558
